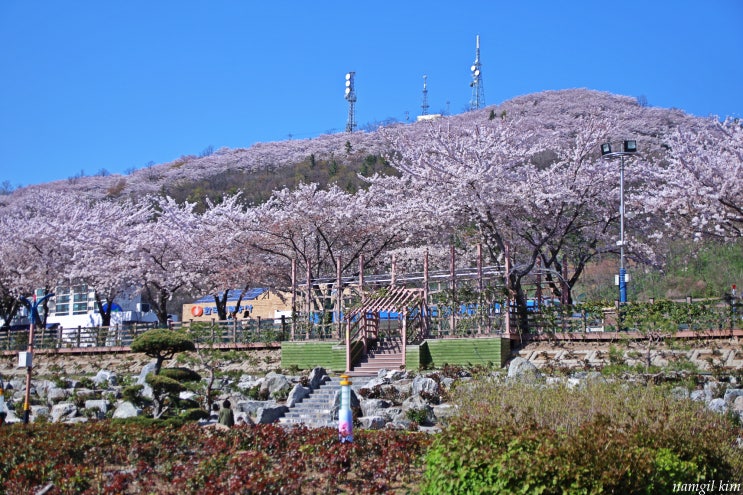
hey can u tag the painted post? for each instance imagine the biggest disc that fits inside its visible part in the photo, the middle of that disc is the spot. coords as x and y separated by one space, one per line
345 416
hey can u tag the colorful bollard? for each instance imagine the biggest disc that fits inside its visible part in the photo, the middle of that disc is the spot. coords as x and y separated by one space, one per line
345 416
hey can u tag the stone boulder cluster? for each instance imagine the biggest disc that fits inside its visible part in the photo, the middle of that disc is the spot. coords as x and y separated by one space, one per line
721 397
401 400
382 401
393 399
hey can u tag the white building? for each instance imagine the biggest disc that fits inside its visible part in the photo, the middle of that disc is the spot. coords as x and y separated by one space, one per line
75 306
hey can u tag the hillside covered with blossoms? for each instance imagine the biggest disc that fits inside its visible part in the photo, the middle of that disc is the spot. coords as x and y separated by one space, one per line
525 179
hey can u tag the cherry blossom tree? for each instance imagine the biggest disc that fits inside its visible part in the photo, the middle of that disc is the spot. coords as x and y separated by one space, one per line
36 246
535 193
103 256
164 249
478 174
319 228
227 256
701 188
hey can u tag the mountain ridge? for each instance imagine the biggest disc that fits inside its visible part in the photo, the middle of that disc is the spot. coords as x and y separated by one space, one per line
545 111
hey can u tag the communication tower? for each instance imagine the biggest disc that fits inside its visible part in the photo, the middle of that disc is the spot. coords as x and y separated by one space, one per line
424 105
351 98
478 91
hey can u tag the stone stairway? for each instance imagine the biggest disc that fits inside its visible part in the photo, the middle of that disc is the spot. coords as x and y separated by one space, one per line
316 410
387 355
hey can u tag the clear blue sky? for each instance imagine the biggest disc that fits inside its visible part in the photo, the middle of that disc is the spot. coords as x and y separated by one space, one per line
88 85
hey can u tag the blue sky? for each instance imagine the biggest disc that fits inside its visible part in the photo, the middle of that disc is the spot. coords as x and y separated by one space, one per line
92 85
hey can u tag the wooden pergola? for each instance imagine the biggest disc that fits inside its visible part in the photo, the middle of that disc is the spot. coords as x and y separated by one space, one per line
362 324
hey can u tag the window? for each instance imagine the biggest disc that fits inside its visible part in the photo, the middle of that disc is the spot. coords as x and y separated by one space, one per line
62 301
79 300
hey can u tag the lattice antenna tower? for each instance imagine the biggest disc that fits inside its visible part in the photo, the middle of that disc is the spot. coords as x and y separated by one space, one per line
478 91
351 99
424 105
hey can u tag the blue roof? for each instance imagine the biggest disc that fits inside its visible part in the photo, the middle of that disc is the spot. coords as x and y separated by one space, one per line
233 295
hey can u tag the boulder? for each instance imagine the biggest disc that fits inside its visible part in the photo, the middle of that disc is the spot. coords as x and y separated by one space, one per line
717 405
375 382
418 404
395 375
698 395
297 394
13 418
275 382
56 395
42 387
247 382
373 422
318 376
105 378
393 413
146 370
126 410
37 412
401 424
732 394
403 387
63 410
100 406
268 415
374 407
16 384
523 370
444 412
142 379
714 390
252 406
75 420
425 384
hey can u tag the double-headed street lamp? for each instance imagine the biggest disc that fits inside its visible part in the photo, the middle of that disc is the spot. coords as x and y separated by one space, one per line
629 148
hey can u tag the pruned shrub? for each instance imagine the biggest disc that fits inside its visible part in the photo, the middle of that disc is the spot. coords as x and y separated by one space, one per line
181 374
194 414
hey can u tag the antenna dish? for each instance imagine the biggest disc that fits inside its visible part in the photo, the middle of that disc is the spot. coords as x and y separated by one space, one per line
348 76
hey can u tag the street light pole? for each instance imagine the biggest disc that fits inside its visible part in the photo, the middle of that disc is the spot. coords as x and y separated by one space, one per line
629 148
622 268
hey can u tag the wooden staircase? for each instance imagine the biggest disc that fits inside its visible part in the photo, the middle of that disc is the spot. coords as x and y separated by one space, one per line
387 355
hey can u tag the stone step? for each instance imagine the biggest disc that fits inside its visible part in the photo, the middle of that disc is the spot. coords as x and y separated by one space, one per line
315 410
